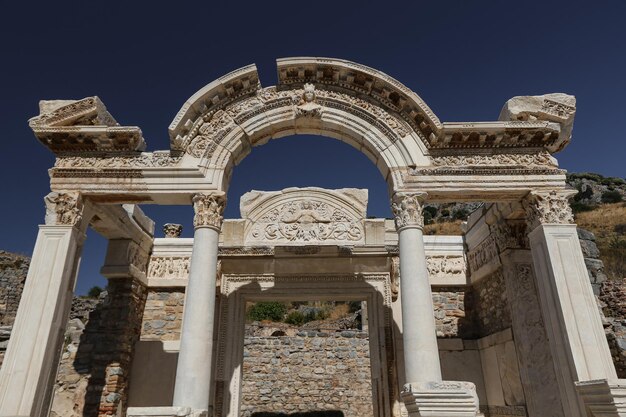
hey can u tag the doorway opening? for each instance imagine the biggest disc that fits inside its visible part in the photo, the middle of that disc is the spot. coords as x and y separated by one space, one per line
306 357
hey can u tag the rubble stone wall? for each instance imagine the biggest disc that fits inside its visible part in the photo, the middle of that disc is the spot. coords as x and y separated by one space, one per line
312 371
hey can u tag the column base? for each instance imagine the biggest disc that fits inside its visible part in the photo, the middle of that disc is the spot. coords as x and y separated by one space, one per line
441 399
165 412
603 398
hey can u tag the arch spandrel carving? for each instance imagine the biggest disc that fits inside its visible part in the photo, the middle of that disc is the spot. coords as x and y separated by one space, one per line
301 216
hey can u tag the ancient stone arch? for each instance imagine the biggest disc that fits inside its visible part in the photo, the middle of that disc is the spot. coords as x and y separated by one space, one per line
522 241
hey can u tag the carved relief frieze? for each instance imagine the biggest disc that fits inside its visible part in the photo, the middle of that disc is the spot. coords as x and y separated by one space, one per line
169 267
446 266
307 220
539 159
557 109
484 253
408 210
208 210
246 251
143 160
548 207
63 208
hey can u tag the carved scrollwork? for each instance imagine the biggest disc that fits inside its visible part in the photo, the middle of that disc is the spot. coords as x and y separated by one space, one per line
63 208
307 221
548 207
541 159
144 160
208 210
408 210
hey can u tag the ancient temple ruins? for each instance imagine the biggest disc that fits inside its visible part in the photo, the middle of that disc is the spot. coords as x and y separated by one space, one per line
536 346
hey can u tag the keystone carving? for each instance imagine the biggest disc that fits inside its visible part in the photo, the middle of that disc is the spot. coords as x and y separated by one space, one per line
208 210
308 106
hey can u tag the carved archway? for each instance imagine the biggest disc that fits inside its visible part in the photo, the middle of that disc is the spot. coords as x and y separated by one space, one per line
357 105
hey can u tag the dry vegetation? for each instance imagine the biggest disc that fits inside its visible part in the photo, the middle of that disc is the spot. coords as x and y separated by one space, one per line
444 228
608 223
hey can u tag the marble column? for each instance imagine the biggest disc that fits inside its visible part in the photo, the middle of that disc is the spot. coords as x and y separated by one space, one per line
421 353
193 374
568 305
32 356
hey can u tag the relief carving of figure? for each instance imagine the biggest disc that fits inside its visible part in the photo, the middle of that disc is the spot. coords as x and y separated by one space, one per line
308 106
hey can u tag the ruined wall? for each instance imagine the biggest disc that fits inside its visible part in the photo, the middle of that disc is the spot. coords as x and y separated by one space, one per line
306 372
450 313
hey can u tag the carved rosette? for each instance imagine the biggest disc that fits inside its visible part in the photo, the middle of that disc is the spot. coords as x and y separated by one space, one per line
208 210
63 209
408 210
172 230
548 207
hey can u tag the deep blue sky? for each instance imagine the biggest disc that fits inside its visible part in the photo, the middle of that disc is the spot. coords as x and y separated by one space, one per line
465 59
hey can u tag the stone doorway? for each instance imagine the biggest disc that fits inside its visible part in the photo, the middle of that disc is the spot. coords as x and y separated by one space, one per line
306 357
237 290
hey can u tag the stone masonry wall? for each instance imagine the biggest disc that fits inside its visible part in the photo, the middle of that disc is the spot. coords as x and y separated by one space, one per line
310 371
450 315
163 315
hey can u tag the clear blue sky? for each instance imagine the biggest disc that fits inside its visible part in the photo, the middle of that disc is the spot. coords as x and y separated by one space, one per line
465 59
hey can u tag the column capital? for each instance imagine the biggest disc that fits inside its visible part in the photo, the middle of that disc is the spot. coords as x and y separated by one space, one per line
208 210
548 207
63 209
408 208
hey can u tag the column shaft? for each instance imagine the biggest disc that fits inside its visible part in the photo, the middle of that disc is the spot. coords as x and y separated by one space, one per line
29 368
421 353
193 374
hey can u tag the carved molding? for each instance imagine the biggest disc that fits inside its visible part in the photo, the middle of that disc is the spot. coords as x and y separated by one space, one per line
63 208
538 159
143 160
548 207
482 254
208 210
407 210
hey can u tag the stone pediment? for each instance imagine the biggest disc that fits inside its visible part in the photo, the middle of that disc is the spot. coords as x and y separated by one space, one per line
304 216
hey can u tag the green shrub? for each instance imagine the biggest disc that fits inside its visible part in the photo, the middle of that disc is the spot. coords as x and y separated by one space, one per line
611 197
94 292
578 207
461 214
267 310
295 317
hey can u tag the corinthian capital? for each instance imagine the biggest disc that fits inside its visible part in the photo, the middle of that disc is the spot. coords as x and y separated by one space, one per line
63 208
407 209
548 207
208 210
